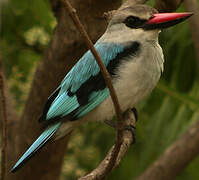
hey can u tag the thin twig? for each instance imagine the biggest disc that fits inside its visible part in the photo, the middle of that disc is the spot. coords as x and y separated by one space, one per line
89 43
4 129
107 78
127 139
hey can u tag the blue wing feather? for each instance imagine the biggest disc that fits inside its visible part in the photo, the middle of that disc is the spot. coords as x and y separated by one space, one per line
62 105
78 75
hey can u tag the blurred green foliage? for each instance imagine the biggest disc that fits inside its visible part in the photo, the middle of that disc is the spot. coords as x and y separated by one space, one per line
164 116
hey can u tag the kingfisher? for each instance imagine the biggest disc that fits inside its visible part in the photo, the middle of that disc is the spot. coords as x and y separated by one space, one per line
131 53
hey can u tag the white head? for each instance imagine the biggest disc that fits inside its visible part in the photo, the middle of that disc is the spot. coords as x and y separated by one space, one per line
140 23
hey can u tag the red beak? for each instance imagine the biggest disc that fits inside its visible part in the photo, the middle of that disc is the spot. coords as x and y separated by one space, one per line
165 20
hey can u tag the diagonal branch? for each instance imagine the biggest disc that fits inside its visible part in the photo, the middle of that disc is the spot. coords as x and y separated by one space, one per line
4 128
89 43
176 157
8 120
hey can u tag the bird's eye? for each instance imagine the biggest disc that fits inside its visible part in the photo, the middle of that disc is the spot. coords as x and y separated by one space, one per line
134 22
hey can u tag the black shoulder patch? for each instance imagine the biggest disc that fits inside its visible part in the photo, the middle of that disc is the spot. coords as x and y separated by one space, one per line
95 83
48 104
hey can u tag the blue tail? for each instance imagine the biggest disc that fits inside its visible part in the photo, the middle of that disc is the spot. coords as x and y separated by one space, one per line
39 143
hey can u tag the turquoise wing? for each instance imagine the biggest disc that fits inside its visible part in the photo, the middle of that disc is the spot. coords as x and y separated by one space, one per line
83 88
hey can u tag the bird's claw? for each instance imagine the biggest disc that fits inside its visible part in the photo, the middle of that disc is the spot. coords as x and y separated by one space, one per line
130 128
114 125
111 123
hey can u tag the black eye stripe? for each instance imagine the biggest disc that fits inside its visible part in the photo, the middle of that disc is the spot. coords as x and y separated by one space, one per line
134 22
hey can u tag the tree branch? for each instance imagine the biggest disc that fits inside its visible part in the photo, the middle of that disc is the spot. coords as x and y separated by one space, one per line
104 71
4 128
192 6
12 120
11 113
176 157
127 139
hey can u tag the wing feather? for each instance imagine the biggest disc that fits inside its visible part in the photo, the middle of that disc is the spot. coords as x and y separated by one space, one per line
68 98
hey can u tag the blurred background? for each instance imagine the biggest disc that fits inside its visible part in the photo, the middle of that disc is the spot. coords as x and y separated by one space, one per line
174 104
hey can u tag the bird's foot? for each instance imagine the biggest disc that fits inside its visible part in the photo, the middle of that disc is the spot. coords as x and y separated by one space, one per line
114 125
130 128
